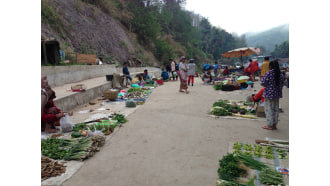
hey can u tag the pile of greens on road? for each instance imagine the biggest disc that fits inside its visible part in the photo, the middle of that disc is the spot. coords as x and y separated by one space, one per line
71 149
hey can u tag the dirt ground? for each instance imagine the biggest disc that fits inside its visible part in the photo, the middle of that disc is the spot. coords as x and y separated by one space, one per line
171 139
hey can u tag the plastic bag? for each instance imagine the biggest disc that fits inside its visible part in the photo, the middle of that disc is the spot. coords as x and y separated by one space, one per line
66 124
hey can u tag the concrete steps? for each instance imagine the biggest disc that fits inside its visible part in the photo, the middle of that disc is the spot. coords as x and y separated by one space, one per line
67 100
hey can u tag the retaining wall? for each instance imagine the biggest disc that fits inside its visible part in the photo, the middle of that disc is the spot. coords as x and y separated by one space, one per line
60 75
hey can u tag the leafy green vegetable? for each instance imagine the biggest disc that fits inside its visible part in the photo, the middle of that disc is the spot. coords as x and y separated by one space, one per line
54 147
130 103
219 111
282 154
250 162
270 177
269 152
120 118
220 103
218 86
229 169
80 126
76 134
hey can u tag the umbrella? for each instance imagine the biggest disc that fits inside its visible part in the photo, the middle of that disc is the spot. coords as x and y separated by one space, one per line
240 52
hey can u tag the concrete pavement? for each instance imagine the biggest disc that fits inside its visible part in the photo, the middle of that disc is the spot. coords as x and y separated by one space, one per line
171 140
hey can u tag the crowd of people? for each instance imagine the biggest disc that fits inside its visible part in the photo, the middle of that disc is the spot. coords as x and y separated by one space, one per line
271 78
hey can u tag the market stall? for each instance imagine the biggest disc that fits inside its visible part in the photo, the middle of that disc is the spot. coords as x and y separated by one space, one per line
257 164
81 143
233 82
231 108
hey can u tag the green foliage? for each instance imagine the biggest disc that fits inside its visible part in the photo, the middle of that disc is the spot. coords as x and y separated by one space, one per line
163 50
282 50
229 169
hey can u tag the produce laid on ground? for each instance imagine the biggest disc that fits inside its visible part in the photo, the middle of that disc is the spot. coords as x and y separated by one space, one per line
233 166
232 169
51 168
270 177
226 108
120 118
137 93
130 103
258 151
79 148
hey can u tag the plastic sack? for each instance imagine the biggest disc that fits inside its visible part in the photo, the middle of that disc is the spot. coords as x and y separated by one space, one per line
95 133
66 124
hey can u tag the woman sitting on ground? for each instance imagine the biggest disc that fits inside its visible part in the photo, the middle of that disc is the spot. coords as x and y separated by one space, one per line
207 78
165 75
145 74
50 116
225 71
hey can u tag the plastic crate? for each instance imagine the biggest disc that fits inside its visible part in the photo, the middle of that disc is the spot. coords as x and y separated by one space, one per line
160 82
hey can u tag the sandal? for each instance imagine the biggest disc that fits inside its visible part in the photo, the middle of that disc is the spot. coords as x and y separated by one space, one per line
268 127
181 91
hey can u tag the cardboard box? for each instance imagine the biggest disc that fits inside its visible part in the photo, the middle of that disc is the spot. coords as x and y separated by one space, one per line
260 110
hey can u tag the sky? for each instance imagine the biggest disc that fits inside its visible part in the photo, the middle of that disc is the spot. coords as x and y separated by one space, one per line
241 16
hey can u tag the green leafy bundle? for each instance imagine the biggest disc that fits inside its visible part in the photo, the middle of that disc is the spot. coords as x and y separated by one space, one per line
120 118
250 162
229 168
80 126
270 177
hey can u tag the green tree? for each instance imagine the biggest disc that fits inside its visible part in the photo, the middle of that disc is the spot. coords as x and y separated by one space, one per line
282 50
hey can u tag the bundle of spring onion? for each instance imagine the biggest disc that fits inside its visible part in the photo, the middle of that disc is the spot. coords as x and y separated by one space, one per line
72 149
250 162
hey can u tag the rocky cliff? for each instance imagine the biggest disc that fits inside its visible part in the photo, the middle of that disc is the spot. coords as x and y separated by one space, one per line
85 28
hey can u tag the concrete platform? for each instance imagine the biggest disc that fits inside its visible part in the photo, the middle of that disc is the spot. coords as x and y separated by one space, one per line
67 100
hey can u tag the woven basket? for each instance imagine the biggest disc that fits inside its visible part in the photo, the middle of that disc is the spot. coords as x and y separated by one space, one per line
110 94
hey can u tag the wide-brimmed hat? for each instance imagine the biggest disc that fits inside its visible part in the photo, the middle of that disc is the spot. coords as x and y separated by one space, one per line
183 57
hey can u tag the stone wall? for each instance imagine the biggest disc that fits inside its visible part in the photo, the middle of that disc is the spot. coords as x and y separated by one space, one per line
60 75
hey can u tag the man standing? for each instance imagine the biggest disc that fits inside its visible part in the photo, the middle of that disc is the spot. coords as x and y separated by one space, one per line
264 67
126 72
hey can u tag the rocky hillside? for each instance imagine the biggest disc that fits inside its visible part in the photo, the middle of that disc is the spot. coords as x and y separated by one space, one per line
84 28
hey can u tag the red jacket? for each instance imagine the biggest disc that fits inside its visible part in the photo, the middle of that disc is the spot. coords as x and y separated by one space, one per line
47 118
259 95
253 66
225 72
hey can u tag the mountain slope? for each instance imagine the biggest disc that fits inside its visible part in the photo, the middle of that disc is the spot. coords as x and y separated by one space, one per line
84 28
268 38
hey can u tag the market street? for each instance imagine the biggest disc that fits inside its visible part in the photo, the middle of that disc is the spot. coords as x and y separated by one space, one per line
172 140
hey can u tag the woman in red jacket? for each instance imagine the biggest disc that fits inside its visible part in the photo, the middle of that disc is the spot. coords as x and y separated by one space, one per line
50 116
253 67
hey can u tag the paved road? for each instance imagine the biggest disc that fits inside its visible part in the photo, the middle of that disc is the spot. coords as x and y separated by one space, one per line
171 140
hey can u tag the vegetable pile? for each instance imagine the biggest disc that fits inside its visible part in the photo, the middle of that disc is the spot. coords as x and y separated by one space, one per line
222 108
120 118
71 149
229 168
270 177
51 168
257 151
137 93
218 86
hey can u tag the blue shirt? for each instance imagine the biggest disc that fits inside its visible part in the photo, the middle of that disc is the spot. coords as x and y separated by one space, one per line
164 75
206 66
125 70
